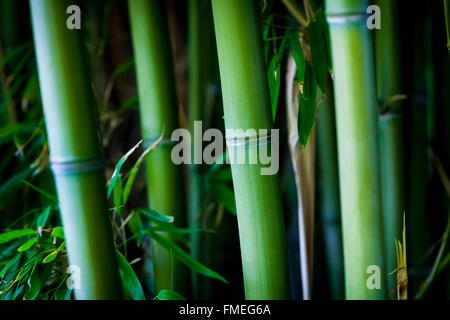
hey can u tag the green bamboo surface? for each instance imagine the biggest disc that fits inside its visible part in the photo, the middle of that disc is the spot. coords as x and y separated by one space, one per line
71 121
201 48
387 57
158 108
246 105
328 204
358 150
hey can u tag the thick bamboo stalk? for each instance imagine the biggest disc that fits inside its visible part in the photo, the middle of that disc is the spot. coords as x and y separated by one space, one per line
75 150
328 204
391 133
358 151
246 105
158 111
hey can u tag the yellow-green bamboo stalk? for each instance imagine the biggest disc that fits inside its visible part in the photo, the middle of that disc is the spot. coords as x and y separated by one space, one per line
246 105
158 111
75 151
358 150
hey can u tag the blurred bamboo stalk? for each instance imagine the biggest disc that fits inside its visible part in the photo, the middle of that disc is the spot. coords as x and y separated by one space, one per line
387 59
358 150
328 204
158 108
202 59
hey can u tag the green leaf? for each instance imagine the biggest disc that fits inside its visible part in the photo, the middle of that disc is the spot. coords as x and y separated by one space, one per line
117 195
11 235
307 106
121 69
119 165
43 217
135 226
13 54
10 264
133 172
50 257
154 215
28 244
183 257
222 174
166 294
171 229
58 232
62 246
223 195
130 281
322 20
297 52
274 79
318 45
42 192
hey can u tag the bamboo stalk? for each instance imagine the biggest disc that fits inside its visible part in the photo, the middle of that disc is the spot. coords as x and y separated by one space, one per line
358 151
328 193
75 150
158 111
447 21
246 105
200 34
391 132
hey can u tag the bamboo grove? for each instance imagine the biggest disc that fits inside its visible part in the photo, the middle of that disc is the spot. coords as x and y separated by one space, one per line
209 149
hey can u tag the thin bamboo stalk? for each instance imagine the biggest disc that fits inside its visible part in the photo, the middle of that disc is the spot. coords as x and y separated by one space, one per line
328 204
391 133
201 57
447 21
75 150
246 105
358 151
158 110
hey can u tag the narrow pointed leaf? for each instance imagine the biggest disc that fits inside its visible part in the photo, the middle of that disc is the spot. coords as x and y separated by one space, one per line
307 106
184 257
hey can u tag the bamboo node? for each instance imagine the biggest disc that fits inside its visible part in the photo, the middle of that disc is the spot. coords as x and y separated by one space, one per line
71 167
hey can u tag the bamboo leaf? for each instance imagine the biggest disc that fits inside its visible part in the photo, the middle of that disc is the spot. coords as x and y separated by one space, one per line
185 258
10 264
222 174
117 195
50 257
154 215
133 172
317 42
43 217
42 192
307 106
130 281
58 232
11 235
274 77
297 52
224 195
135 225
119 166
166 294
172 229
28 244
